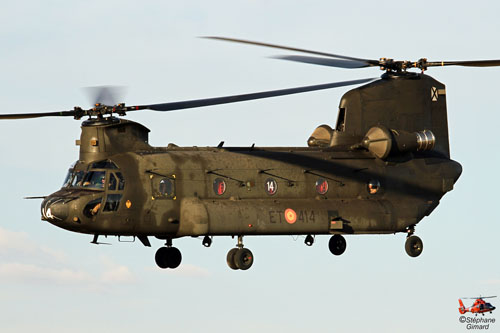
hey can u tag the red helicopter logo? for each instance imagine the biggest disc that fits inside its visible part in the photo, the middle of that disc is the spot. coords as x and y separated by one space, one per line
479 306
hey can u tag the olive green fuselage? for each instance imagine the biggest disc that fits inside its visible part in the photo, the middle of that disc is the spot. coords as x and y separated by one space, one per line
409 190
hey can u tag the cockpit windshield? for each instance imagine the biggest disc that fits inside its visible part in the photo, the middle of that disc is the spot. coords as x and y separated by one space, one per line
95 179
68 178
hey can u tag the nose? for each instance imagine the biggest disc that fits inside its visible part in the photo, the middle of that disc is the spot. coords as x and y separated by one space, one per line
54 210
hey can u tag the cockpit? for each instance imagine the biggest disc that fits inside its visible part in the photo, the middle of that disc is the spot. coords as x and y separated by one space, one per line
95 177
94 189
103 176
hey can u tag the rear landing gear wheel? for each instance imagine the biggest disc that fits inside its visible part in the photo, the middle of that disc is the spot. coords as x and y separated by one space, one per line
414 246
243 258
230 258
168 257
337 244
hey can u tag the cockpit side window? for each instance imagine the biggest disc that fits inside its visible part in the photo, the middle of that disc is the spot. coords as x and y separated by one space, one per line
112 202
121 181
112 182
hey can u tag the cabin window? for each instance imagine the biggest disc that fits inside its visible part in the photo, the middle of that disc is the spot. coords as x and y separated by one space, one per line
166 187
219 186
163 188
373 186
321 186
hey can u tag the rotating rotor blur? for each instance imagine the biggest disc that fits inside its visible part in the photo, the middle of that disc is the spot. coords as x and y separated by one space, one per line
105 97
341 61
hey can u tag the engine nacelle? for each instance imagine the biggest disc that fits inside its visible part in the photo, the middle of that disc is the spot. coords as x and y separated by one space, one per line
321 136
382 142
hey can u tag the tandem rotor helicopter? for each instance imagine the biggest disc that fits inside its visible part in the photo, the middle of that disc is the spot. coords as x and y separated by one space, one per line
382 168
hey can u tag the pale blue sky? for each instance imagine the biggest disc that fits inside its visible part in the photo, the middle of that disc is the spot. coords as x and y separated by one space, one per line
52 280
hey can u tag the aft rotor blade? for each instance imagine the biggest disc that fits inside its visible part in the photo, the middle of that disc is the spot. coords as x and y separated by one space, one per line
245 97
468 63
38 115
331 62
368 61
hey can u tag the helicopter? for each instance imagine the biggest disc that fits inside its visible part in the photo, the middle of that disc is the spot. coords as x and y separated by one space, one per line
383 168
479 305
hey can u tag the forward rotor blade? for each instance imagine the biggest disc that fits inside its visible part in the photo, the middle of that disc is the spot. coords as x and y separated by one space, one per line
331 62
468 63
78 113
368 61
245 97
38 115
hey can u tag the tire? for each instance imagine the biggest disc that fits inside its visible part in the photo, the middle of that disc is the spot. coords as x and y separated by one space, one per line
230 258
337 244
160 257
173 257
243 258
414 246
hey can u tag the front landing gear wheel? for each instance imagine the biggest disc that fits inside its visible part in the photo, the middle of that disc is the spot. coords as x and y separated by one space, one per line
337 244
230 258
414 246
168 257
243 258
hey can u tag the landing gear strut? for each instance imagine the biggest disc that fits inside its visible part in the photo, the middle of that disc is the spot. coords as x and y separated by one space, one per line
239 257
309 241
337 244
207 241
168 256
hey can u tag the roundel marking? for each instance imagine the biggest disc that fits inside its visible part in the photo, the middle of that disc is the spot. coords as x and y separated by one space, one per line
290 216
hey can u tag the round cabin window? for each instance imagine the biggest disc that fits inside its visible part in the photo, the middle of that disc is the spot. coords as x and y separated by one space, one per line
219 186
373 186
321 186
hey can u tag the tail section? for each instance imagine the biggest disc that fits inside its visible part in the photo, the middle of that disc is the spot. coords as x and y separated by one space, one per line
410 103
462 308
